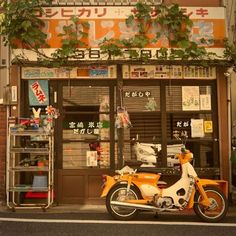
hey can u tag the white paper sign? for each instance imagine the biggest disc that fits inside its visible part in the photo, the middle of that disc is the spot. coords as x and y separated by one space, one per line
197 128
91 158
190 98
205 102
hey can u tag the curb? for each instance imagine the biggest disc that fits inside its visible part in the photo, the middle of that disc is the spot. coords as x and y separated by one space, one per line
94 209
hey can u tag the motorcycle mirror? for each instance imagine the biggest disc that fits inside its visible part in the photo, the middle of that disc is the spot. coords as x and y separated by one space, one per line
183 149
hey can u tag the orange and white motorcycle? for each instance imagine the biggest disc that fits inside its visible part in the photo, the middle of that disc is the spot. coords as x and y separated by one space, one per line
130 191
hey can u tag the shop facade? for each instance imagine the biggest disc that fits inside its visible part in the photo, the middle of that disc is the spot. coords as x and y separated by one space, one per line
164 101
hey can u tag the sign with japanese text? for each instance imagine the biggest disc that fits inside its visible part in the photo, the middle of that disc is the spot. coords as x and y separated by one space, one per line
205 102
108 22
129 72
91 158
137 94
90 127
38 93
197 128
75 72
164 71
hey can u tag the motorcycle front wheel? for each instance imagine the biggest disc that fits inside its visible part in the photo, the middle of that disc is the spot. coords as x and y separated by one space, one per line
119 193
218 208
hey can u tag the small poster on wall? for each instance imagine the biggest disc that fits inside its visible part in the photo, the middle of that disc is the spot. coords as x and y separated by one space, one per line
208 127
205 102
197 128
190 98
91 158
38 93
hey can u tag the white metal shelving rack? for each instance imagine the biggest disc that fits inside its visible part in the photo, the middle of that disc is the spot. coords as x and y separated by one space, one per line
16 190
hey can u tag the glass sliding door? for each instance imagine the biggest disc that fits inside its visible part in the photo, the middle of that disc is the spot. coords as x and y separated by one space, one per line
86 127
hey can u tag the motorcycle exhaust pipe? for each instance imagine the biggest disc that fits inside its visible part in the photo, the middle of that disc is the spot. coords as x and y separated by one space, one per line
133 205
139 206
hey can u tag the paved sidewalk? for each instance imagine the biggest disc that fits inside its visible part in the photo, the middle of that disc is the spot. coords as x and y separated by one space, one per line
73 208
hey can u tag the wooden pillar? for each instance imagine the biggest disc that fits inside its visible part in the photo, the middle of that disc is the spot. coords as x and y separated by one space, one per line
120 132
223 126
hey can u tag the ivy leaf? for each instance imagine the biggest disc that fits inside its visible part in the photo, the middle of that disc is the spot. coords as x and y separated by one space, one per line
132 53
129 20
26 24
183 43
85 25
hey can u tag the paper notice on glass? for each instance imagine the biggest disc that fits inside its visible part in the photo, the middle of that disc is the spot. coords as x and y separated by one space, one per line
197 128
205 102
208 126
190 98
91 158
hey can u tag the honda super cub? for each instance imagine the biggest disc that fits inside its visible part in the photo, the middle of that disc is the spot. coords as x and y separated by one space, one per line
130 191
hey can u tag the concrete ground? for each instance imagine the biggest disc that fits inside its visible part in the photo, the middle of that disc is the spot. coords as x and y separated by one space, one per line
73 208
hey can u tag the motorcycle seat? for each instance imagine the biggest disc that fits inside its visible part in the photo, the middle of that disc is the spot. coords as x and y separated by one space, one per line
153 170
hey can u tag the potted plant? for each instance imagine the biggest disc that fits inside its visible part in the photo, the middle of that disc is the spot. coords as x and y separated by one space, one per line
42 161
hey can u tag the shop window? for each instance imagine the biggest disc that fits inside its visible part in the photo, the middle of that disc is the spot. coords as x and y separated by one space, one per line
141 98
92 154
143 105
184 110
190 111
203 154
86 127
194 125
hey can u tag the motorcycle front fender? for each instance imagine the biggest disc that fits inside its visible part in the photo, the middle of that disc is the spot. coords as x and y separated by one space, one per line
200 183
110 182
206 182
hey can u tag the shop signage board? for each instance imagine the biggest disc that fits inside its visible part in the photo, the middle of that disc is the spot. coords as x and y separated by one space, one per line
168 72
38 93
129 72
109 22
62 73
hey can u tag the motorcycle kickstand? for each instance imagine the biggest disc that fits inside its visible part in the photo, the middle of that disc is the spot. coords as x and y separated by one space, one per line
156 216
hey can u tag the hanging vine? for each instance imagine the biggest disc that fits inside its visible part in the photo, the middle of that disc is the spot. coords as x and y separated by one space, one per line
20 25
167 23
150 25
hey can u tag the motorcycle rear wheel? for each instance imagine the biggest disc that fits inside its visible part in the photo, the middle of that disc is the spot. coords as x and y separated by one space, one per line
119 193
218 208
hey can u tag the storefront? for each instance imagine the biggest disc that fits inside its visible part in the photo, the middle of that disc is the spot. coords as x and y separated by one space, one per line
163 103
165 100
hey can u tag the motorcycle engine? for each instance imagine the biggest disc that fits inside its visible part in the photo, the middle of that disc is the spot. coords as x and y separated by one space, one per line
163 202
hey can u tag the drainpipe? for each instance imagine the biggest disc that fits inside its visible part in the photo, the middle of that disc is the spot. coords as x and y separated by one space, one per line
8 111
